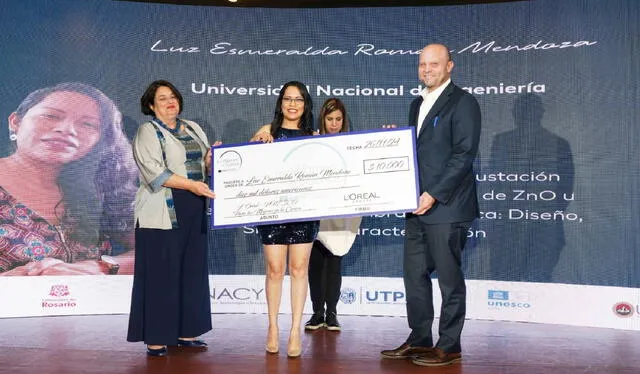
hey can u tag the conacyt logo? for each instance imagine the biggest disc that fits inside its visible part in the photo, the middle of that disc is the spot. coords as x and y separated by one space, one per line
238 295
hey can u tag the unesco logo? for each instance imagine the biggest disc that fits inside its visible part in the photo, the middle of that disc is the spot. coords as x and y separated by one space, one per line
501 299
498 295
348 295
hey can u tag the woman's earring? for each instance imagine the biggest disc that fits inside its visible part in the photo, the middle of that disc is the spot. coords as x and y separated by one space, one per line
13 136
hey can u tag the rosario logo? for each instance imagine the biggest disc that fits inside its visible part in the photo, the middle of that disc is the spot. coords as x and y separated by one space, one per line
59 290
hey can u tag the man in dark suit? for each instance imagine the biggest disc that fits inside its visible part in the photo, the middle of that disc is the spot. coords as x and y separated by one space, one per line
448 132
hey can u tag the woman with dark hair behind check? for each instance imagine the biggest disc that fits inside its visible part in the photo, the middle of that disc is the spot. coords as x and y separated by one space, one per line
170 300
335 238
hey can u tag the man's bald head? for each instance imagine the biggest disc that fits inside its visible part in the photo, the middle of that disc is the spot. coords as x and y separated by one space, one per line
435 66
439 48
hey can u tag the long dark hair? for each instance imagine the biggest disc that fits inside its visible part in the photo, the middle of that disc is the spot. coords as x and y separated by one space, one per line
306 121
98 190
329 106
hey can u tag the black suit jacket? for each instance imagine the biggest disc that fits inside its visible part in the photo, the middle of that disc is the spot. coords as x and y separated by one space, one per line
446 147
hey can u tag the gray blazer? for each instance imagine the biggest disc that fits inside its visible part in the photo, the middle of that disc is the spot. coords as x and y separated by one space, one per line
150 204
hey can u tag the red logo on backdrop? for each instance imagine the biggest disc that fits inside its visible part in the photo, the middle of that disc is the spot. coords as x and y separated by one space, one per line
623 309
59 290
59 297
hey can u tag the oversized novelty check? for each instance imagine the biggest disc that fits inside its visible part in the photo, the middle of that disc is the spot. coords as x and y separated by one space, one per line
316 177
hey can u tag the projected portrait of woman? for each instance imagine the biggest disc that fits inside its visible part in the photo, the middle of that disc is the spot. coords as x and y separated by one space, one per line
66 193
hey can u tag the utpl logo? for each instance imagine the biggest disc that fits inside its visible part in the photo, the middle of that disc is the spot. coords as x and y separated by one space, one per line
385 296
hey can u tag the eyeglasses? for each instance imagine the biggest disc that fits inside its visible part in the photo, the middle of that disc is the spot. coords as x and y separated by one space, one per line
293 100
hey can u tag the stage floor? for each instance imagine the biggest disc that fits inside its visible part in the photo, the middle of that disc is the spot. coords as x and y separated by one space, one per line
96 344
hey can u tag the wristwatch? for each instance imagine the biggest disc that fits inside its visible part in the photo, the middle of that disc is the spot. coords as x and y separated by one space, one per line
110 263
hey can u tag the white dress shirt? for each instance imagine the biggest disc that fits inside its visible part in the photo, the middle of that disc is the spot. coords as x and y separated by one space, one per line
428 99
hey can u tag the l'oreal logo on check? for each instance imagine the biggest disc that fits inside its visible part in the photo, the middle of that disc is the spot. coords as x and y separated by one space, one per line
361 196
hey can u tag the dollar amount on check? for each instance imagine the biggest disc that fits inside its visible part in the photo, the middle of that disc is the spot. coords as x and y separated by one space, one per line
316 177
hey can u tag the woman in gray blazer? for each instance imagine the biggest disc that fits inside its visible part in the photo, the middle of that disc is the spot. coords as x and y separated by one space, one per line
170 300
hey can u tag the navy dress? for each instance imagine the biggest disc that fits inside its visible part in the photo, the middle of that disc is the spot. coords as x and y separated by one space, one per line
291 232
171 297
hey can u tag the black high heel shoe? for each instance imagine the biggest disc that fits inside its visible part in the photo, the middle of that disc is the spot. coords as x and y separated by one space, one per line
191 343
157 352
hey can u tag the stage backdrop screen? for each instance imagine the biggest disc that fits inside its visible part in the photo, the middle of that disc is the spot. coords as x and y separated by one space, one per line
557 81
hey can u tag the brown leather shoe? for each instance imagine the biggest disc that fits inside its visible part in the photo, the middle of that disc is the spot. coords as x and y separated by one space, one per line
438 357
405 351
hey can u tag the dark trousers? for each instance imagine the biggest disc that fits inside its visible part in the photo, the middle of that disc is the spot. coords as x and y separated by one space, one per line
325 278
170 297
430 248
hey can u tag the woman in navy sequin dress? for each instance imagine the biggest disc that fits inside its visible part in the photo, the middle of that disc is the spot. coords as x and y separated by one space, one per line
293 118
